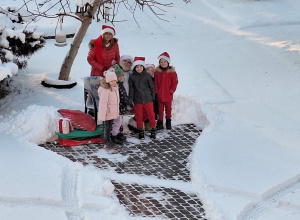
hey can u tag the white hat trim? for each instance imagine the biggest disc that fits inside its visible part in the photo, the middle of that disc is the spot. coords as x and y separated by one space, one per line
139 62
109 30
166 58
126 57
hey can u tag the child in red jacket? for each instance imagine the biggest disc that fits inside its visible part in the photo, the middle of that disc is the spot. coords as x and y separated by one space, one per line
165 84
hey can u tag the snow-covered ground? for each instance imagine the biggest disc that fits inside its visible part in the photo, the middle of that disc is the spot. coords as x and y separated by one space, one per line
238 65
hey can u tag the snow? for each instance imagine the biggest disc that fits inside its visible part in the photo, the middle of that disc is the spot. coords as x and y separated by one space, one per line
26 16
8 69
238 68
82 3
54 81
8 55
21 126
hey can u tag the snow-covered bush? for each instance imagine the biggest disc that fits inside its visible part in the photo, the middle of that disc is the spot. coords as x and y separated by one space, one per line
17 43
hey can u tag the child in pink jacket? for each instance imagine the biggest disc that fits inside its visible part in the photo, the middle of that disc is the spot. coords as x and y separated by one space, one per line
108 106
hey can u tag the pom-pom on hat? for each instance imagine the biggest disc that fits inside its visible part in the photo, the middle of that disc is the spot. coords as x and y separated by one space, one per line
126 57
150 65
118 70
165 56
110 75
106 28
139 61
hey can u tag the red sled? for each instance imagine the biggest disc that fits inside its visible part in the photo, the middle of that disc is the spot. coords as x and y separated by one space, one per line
72 142
80 137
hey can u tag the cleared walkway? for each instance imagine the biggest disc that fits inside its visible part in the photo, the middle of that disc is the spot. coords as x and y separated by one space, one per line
165 158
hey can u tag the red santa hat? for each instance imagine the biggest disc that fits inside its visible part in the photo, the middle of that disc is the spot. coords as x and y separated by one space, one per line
108 29
139 61
165 56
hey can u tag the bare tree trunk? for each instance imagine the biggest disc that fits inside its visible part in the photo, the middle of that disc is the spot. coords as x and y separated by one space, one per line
71 55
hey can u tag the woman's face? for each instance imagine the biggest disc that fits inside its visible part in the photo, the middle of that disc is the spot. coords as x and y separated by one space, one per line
107 36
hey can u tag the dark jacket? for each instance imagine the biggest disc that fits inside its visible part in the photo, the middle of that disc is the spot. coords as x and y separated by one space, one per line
124 99
141 88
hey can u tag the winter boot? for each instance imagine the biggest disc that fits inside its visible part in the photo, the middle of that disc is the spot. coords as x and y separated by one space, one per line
159 125
168 124
121 137
106 132
153 134
132 128
115 140
147 126
141 134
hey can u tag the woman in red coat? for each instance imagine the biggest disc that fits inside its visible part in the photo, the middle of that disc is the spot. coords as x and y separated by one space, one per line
104 51
165 84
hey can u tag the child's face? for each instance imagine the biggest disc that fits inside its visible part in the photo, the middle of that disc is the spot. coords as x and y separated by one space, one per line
139 68
120 78
163 63
150 70
113 83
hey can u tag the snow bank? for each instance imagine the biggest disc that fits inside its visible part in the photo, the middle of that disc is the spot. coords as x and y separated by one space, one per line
34 124
7 70
186 109
37 123
49 185
227 164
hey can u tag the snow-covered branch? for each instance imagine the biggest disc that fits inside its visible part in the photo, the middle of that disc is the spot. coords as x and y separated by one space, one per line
16 43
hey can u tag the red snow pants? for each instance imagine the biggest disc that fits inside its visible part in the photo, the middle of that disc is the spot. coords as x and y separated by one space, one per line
167 106
139 110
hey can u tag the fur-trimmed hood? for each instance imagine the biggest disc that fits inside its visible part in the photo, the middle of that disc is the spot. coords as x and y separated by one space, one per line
171 69
104 84
91 43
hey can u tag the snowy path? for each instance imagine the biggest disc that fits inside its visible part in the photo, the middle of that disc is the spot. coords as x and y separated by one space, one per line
159 183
